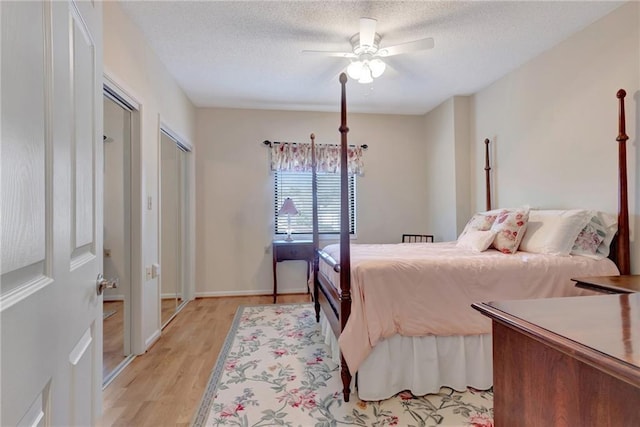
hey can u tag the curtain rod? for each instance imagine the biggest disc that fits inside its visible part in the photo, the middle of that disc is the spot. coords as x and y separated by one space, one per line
269 143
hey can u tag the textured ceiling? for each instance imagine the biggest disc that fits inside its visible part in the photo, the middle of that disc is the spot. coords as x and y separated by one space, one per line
240 54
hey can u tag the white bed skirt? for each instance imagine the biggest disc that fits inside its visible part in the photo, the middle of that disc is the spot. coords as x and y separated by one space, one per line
420 364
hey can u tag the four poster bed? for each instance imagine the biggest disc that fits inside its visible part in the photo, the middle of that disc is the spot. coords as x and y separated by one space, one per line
401 313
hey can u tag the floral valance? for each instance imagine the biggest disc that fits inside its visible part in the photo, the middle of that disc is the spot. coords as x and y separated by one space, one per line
296 157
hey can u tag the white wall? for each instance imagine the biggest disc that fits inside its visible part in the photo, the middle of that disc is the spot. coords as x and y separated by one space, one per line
446 140
234 190
440 165
129 61
553 123
462 144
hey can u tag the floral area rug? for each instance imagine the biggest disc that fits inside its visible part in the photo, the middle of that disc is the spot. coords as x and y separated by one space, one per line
275 370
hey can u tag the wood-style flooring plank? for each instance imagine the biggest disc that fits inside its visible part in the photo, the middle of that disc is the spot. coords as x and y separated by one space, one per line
164 386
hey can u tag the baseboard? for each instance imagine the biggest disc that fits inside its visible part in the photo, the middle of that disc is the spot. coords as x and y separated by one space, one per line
168 296
152 340
248 293
118 297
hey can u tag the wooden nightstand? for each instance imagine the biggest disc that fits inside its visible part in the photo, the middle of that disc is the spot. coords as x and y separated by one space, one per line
293 250
610 284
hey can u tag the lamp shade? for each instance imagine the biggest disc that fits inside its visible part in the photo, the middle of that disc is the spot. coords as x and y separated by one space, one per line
365 77
355 70
288 208
377 67
365 70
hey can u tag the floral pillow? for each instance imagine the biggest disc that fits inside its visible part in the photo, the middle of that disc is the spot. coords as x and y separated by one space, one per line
595 238
589 239
479 222
509 227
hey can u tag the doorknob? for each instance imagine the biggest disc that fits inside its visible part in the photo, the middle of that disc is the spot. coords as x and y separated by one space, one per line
102 284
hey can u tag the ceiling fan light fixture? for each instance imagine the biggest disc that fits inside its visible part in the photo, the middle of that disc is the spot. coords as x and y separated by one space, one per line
377 67
365 77
367 57
364 71
355 69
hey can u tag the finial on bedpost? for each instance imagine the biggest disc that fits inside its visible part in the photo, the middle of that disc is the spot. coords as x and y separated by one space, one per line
623 257
487 169
622 131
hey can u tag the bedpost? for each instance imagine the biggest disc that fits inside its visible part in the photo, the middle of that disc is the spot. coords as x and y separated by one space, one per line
623 255
345 261
487 176
314 225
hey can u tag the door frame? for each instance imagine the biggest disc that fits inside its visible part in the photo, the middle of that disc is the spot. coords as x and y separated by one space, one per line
136 315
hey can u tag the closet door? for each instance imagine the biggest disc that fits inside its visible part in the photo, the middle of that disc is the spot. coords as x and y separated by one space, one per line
116 233
173 208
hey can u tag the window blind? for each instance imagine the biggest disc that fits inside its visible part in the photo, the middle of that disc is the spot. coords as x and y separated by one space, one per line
297 186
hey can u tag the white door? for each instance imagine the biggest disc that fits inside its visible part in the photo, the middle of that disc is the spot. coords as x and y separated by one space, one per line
51 213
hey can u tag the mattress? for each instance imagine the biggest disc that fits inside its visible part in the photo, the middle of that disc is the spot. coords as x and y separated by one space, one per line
426 289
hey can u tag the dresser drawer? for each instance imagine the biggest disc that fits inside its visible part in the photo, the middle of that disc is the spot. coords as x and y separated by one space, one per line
293 251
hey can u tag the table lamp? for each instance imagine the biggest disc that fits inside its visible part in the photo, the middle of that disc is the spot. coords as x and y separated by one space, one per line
288 208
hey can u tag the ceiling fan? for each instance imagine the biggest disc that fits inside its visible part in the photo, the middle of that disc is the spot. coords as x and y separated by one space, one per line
367 54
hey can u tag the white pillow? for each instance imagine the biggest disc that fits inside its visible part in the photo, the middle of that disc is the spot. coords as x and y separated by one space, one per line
476 240
554 231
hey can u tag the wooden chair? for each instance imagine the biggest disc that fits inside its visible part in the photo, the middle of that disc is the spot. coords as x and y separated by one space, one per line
417 238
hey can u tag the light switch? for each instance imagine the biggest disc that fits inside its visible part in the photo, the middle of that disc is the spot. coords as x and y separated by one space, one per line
155 270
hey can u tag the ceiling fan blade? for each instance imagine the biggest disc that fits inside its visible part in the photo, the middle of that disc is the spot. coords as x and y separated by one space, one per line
367 31
413 46
326 53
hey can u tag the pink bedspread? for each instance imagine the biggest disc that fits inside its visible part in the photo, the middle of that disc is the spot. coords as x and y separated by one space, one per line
418 289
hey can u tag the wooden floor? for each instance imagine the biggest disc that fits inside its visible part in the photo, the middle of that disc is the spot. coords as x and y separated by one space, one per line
163 387
168 307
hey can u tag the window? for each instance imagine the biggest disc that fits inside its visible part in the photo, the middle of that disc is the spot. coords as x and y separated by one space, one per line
297 185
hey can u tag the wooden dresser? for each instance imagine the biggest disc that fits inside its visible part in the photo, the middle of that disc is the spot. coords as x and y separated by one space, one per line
566 361
610 284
